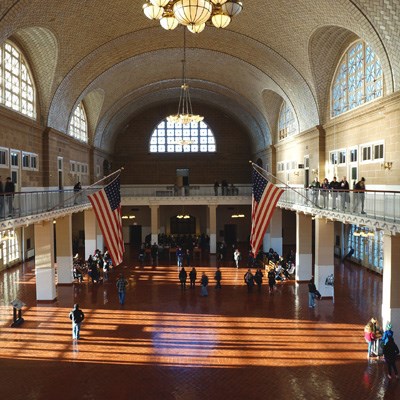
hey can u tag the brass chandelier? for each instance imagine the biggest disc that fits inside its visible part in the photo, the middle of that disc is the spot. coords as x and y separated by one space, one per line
185 114
194 14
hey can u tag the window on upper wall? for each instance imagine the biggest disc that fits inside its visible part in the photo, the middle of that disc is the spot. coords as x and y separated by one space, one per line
17 91
3 157
287 122
78 124
29 161
358 79
195 137
372 152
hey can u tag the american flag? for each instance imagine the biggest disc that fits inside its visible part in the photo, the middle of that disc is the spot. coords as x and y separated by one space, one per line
107 207
264 199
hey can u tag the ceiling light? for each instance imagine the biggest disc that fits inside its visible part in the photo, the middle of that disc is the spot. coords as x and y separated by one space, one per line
185 114
194 14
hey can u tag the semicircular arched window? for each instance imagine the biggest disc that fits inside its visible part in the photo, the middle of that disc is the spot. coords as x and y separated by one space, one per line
78 124
17 90
195 137
358 79
288 125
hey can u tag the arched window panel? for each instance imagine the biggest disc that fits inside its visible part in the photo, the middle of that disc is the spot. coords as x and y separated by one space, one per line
358 79
195 137
78 124
17 91
288 125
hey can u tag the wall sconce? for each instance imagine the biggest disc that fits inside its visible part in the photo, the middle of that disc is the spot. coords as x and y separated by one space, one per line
297 173
315 171
387 165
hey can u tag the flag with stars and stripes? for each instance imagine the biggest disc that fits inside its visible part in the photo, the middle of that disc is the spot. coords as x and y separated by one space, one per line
107 208
265 196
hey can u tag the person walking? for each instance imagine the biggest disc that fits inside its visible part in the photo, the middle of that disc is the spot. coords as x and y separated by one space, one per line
182 278
315 186
218 278
249 280
154 253
121 286
271 279
359 195
311 293
192 277
258 278
76 316
390 353
179 258
344 193
204 284
387 333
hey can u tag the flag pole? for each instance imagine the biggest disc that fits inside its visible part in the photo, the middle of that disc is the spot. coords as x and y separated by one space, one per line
118 171
262 170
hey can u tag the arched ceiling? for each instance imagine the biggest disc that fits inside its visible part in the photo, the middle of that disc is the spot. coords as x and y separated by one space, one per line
119 62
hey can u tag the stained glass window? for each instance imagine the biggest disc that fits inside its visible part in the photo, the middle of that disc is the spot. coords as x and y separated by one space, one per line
358 79
16 86
287 122
195 137
78 124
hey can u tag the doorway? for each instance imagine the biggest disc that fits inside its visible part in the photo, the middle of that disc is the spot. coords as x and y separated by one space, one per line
230 234
135 235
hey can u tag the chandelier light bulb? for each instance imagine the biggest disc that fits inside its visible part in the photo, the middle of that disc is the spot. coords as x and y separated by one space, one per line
152 12
159 3
220 20
192 12
232 7
196 28
168 22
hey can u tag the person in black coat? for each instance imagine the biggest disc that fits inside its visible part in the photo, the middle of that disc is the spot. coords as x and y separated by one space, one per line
76 316
218 278
193 276
390 352
182 278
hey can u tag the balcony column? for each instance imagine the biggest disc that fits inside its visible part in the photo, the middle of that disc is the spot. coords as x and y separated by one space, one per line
324 254
273 237
391 282
154 222
303 247
44 261
90 223
99 237
212 223
64 249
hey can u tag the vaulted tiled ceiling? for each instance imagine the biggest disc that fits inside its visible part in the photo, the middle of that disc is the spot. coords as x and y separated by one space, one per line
119 62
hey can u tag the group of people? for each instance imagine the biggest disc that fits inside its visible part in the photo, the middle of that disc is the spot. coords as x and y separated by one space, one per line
203 281
97 267
341 189
382 343
226 189
7 190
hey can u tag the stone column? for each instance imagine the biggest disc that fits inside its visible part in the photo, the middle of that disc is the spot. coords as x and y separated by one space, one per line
391 282
44 261
90 232
99 238
275 230
303 247
324 254
154 223
64 249
212 223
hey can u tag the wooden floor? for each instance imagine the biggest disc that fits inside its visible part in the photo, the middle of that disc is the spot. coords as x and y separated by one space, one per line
165 343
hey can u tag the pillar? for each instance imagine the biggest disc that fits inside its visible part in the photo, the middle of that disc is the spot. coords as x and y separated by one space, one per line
275 230
64 249
391 282
90 232
324 254
212 223
154 223
99 238
44 261
303 247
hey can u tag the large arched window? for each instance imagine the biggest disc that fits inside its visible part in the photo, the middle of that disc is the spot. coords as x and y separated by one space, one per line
358 79
16 86
287 122
78 124
177 138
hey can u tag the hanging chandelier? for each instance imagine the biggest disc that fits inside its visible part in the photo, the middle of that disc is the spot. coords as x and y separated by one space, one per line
194 14
185 114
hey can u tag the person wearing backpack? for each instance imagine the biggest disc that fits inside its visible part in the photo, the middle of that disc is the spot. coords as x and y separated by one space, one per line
76 316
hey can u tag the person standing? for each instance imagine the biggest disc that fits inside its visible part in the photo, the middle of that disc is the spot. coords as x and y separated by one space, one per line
9 189
390 353
192 277
325 192
218 278
216 186
154 253
311 293
315 186
77 189
271 279
182 278
258 278
179 258
204 284
224 187
76 316
344 193
121 286
334 186
387 334
237 257
249 280
359 195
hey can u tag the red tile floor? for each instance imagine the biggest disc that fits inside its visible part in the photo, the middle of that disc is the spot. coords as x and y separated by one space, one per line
168 344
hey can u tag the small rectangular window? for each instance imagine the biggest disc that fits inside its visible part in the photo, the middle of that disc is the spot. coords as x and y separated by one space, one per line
333 156
366 153
14 158
3 157
342 156
353 155
378 151
25 161
34 161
